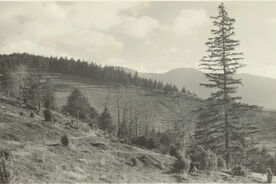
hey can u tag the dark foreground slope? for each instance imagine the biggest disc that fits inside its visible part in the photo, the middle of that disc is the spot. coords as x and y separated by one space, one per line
91 157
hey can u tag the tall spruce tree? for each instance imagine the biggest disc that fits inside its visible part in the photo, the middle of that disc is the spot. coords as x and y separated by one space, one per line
219 118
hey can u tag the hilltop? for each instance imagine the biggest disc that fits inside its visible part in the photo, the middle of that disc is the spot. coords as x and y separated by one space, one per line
256 89
92 155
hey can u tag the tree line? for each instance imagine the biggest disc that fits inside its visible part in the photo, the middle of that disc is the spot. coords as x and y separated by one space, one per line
91 70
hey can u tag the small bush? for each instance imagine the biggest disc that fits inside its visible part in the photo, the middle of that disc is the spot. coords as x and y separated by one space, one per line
206 159
32 115
145 142
165 139
152 144
181 165
48 115
174 152
5 166
221 162
134 161
64 140
240 171
4 172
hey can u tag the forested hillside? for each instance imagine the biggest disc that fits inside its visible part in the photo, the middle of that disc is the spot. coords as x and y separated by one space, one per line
110 74
159 110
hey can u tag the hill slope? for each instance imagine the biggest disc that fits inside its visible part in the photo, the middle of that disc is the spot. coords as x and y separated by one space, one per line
255 90
92 155
162 109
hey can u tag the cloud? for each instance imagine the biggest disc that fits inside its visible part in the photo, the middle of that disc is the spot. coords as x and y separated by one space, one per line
189 20
99 15
138 27
76 29
271 21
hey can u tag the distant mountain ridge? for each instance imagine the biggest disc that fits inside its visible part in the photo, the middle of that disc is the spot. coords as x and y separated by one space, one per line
257 90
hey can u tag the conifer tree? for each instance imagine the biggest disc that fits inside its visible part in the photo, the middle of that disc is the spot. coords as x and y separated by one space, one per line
183 90
105 121
77 105
47 95
218 119
31 90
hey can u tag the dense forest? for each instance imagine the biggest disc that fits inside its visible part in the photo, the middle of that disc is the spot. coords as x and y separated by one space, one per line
91 70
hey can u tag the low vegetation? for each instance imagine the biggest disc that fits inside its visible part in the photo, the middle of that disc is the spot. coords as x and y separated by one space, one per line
64 139
48 115
240 171
181 165
5 170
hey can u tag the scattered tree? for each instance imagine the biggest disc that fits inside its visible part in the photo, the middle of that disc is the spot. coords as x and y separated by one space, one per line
77 105
183 90
105 121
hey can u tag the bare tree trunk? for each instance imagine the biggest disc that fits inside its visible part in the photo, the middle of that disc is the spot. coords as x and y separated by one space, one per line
146 126
136 127
78 116
118 114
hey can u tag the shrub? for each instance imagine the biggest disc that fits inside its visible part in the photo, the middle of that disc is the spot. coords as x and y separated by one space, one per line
4 172
64 140
174 152
206 159
221 162
152 144
181 165
5 166
240 171
196 154
134 161
165 139
32 114
48 115
145 142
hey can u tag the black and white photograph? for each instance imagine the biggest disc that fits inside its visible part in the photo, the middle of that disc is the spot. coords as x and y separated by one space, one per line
137 92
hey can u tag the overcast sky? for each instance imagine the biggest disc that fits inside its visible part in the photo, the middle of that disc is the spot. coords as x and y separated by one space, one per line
145 36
